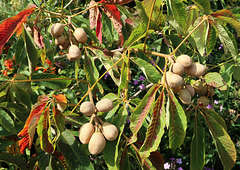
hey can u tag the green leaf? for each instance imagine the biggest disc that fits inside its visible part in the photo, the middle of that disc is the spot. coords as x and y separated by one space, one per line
140 112
227 39
20 52
177 123
107 62
198 146
152 74
73 152
111 151
107 28
215 79
233 22
123 86
142 12
91 71
172 21
179 13
51 81
225 147
23 96
203 5
138 33
32 53
211 39
59 119
236 71
200 35
125 162
21 113
226 71
175 42
7 122
155 130
216 116
13 159
43 130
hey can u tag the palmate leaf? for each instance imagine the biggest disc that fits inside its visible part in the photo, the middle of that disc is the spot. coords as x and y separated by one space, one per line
111 152
203 5
113 13
140 112
225 147
155 129
152 74
11 25
211 39
198 146
7 122
73 152
215 79
177 123
233 22
91 71
227 39
28 131
200 35
43 129
179 13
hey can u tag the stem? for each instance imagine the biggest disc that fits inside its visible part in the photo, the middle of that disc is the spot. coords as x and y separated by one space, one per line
221 64
150 52
84 10
90 94
149 21
138 92
204 18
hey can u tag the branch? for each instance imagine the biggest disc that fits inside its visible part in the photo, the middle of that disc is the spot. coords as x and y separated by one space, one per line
136 94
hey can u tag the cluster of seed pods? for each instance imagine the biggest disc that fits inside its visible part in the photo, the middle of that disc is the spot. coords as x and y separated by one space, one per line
95 135
174 80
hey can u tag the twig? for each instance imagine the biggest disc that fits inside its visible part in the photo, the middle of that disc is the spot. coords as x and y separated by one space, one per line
136 94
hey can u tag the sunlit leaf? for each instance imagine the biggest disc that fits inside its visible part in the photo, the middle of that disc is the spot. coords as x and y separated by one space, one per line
93 13
152 74
155 129
215 79
141 111
177 123
11 25
225 147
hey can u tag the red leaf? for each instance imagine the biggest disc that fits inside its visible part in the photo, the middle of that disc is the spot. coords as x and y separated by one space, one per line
30 126
11 25
111 2
93 14
155 130
38 39
61 99
157 160
99 28
42 130
113 13
223 12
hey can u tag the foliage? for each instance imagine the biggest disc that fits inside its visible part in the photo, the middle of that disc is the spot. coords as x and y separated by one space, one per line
130 46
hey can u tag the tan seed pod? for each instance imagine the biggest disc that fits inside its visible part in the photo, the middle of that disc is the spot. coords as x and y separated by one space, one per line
185 96
57 29
211 91
60 40
200 88
185 60
85 132
109 131
190 89
87 108
203 101
178 68
65 45
176 90
74 53
104 105
97 143
173 80
74 41
80 35
196 70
